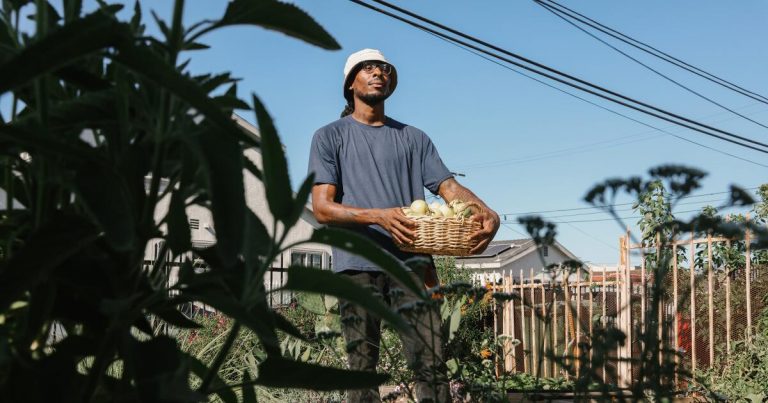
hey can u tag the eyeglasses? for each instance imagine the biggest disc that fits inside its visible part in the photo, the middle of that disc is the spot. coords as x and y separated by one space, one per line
385 68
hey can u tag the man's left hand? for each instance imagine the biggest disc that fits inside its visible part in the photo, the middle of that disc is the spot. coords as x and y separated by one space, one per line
489 222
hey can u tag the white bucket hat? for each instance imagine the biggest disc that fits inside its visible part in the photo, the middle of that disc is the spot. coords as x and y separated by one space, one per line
353 66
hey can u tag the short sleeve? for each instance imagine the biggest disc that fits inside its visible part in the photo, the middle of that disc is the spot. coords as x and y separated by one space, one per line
322 159
433 170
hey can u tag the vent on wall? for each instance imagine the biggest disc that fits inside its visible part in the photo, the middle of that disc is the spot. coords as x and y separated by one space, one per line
194 223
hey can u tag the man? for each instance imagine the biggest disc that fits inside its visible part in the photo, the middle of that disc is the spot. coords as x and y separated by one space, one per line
367 166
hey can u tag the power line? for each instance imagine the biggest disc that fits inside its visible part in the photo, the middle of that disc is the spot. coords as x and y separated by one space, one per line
593 89
658 53
629 209
612 205
559 14
561 152
509 227
592 236
592 103
597 219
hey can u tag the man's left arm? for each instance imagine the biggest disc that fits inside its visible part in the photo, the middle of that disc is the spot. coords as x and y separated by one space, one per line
450 189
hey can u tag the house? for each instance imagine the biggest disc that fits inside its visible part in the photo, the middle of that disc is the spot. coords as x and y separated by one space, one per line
519 258
203 232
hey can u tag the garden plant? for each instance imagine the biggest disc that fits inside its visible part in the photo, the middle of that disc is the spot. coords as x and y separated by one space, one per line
105 122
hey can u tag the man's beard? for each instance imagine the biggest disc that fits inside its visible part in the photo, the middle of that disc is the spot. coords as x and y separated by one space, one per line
373 98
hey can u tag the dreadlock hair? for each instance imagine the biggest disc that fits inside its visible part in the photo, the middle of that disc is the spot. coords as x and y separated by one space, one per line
348 109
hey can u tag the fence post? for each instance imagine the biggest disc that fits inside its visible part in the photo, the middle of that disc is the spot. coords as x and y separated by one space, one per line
577 320
511 308
624 314
748 281
591 319
555 335
728 306
693 305
534 338
660 302
546 332
603 319
495 309
675 302
710 302
643 290
523 333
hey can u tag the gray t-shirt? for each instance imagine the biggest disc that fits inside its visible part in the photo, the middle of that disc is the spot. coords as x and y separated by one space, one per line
375 167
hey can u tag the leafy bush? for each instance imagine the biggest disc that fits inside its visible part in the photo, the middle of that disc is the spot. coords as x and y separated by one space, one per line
744 376
106 124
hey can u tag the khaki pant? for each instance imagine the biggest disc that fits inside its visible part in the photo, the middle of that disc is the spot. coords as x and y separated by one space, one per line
422 346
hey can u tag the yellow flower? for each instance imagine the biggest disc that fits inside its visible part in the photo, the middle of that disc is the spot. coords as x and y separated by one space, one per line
485 353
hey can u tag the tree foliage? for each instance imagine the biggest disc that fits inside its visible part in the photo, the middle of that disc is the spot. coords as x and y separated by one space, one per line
106 122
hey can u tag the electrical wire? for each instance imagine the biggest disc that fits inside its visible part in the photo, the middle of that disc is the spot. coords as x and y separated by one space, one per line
628 209
595 104
611 205
593 88
658 53
673 81
592 236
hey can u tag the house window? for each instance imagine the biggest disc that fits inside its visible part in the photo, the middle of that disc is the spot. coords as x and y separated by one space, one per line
194 223
545 251
307 259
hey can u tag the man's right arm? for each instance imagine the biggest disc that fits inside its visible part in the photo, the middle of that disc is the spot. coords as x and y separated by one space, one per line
328 211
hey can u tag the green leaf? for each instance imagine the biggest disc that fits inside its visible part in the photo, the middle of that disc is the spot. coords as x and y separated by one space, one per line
18 4
218 386
312 302
455 320
7 39
328 283
106 196
162 373
81 37
274 372
223 159
157 70
257 239
361 246
231 102
195 46
59 239
281 323
253 169
136 19
277 184
249 394
72 9
179 234
82 78
22 137
300 203
276 16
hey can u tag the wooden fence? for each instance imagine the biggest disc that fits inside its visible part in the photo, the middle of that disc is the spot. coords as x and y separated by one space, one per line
552 326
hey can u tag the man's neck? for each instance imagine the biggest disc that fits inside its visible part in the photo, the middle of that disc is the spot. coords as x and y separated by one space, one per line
369 115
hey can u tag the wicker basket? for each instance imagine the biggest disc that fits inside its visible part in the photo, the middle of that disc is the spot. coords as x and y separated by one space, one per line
443 236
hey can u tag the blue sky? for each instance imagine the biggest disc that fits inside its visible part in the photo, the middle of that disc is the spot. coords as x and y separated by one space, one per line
523 147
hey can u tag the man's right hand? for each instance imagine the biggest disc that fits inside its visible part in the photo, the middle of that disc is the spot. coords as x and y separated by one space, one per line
402 228
393 220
